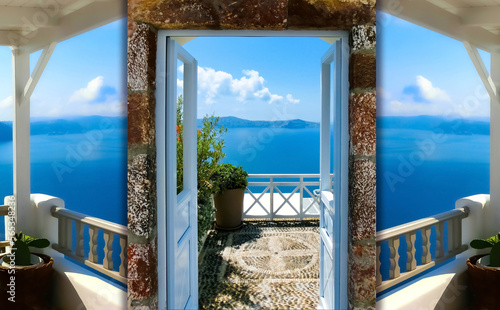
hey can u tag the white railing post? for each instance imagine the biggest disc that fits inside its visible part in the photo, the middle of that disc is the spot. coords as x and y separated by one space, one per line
426 245
411 262
93 244
394 257
301 207
271 191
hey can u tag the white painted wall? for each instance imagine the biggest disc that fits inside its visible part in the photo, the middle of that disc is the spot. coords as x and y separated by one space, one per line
494 218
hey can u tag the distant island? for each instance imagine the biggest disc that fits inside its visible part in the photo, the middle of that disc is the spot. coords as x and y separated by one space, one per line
456 126
73 125
76 125
235 122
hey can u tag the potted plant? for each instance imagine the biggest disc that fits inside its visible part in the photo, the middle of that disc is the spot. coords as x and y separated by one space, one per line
484 273
25 276
228 185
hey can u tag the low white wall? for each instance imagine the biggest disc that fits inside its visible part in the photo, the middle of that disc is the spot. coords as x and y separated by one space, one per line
445 288
75 287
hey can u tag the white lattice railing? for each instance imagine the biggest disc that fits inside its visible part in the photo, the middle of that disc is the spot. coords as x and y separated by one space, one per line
4 211
283 196
453 220
90 258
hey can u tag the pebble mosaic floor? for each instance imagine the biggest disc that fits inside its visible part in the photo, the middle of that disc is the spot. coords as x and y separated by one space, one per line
264 265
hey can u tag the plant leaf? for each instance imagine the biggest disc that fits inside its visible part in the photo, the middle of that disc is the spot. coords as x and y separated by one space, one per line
480 244
22 253
39 243
495 256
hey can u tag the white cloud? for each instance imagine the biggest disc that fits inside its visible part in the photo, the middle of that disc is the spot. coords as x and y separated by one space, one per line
180 83
89 93
291 99
383 94
250 86
429 92
7 102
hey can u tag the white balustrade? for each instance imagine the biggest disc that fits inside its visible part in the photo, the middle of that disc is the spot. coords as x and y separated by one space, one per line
110 230
284 196
392 236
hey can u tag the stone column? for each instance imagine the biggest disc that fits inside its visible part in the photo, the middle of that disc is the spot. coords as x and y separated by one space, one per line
362 171
142 250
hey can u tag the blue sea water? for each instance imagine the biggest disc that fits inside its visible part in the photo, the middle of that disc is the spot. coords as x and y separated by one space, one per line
419 173
88 171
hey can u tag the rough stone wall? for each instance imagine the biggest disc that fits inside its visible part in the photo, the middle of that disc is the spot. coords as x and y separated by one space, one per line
146 16
142 253
362 170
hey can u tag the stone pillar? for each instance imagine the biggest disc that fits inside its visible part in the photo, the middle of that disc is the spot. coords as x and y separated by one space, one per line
142 250
495 148
362 171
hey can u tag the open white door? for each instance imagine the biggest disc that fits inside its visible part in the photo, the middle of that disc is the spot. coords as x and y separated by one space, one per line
181 248
333 210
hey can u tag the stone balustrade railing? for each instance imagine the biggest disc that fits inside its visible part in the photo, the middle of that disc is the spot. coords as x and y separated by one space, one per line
76 251
408 231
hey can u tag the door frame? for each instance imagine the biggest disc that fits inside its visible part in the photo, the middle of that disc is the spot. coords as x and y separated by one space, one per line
183 36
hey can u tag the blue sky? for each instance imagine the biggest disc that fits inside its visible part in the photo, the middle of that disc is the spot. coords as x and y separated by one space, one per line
421 72
259 78
86 75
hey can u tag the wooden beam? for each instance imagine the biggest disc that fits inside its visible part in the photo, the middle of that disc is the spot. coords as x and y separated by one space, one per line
439 20
480 16
482 71
37 72
87 18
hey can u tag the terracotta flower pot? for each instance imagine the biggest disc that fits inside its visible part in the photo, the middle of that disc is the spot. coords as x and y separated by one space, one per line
484 284
31 285
229 209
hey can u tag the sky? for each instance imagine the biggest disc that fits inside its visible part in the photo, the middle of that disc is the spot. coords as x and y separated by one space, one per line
258 78
421 72
86 75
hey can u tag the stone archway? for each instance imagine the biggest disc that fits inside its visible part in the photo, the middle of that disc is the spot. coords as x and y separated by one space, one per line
147 16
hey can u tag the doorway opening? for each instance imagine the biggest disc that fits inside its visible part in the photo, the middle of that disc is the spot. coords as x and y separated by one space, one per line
182 83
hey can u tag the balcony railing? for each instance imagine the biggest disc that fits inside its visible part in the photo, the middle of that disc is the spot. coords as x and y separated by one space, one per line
270 196
453 220
90 258
4 211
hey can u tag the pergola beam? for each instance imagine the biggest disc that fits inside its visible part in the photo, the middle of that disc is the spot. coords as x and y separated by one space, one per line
37 72
91 16
27 18
439 20
494 215
481 16
482 71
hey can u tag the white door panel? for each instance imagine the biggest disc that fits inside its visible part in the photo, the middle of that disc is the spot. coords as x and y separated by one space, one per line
333 210
182 236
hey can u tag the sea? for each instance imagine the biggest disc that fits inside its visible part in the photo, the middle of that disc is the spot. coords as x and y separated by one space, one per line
421 171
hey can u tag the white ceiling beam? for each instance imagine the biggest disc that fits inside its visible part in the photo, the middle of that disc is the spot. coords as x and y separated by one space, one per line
37 72
92 16
26 18
481 16
439 20
5 38
482 71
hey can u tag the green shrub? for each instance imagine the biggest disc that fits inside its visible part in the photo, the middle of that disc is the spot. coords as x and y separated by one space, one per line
227 177
493 243
210 143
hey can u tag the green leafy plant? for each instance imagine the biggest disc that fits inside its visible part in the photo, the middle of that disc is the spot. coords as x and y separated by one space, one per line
226 177
21 248
210 143
493 243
